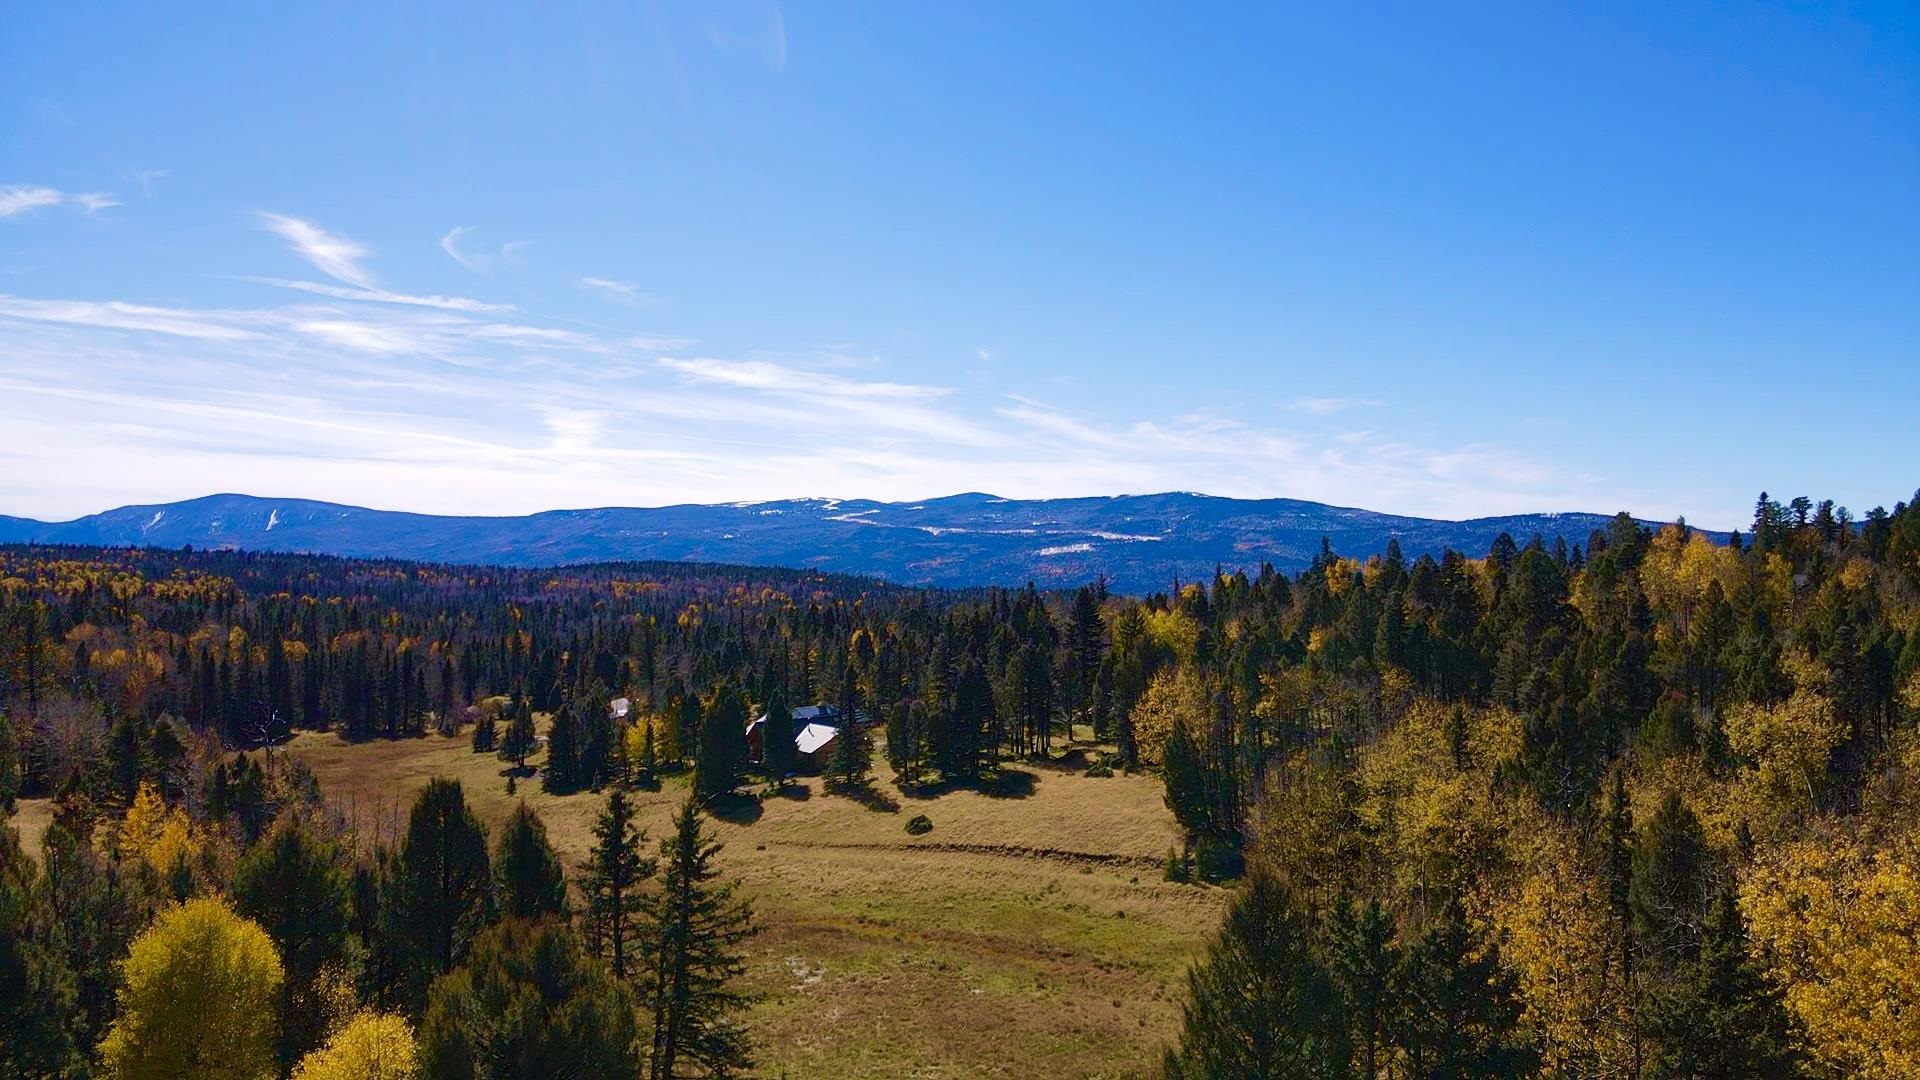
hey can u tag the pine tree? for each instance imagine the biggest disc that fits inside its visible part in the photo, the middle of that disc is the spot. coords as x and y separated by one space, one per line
1364 961
100 908
527 880
562 774
37 992
1617 863
440 894
597 737
486 732
518 742
529 1002
1462 1008
1720 1018
1668 894
1186 782
692 931
294 884
10 764
1260 1004
850 766
723 745
611 883
778 754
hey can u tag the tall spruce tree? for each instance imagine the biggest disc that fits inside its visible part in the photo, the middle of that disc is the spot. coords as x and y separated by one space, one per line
778 754
518 741
1260 1004
440 893
37 992
723 743
692 932
563 772
611 883
1719 1017
527 880
1461 1006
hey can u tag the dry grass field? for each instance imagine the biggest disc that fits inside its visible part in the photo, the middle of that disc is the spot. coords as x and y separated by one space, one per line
1029 934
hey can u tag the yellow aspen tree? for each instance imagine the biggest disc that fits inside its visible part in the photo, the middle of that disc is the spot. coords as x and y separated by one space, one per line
1840 927
199 999
372 1046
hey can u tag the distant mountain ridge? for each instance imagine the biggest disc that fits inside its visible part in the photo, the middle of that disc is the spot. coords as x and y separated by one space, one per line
1140 542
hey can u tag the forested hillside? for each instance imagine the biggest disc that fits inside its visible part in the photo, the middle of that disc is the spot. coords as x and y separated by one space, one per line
1640 805
1141 543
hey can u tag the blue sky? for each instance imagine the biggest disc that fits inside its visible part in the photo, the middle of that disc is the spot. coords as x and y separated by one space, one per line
1435 259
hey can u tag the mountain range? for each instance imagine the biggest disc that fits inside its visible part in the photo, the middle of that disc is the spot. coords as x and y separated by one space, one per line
1140 542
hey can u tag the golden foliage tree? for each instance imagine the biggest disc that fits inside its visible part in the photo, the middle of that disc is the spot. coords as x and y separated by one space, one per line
372 1046
1788 744
1175 696
199 998
1840 925
155 833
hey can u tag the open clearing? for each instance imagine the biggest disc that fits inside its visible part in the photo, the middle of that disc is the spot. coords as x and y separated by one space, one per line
1029 934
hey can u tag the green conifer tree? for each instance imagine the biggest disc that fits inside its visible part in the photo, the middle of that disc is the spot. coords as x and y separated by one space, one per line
692 932
563 771
723 743
527 880
1260 1004
38 996
778 754
611 882
1461 1006
1720 1017
440 893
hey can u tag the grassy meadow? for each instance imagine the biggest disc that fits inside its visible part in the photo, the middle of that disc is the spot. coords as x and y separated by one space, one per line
1029 934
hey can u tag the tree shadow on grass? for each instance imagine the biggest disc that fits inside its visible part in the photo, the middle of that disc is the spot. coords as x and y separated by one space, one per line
997 783
868 796
1074 760
796 792
735 808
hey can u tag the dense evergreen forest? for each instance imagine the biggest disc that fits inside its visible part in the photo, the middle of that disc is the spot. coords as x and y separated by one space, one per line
1638 807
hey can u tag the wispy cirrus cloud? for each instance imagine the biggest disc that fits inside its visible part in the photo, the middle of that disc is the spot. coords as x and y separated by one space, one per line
621 292
480 262
879 406
769 376
118 315
340 258
22 198
335 256
382 296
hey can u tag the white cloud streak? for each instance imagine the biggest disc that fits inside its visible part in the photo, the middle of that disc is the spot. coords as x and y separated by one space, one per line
479 262
21 198
381 296
335 256
621 292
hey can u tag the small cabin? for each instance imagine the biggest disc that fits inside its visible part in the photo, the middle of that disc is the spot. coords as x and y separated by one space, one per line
815 727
